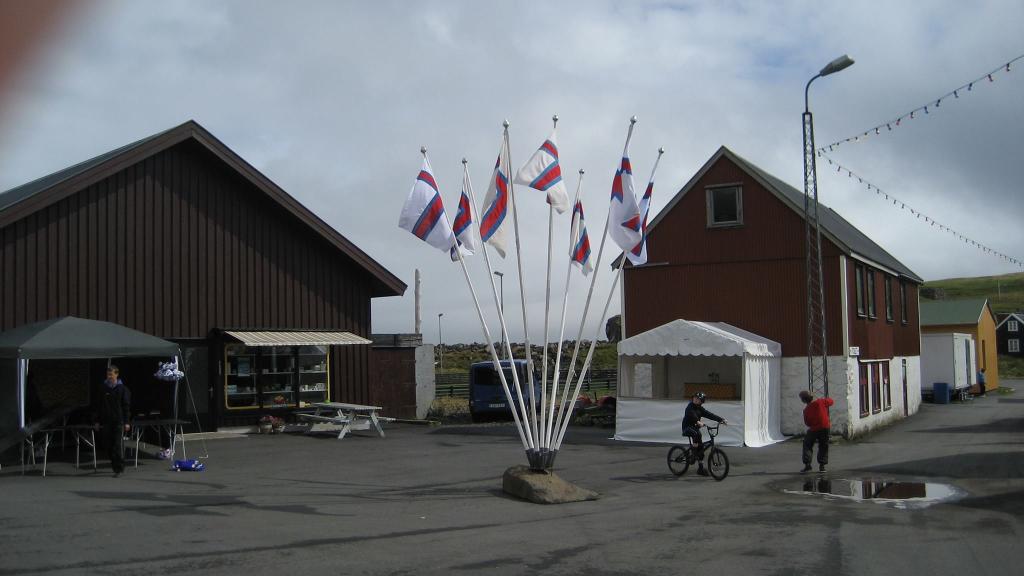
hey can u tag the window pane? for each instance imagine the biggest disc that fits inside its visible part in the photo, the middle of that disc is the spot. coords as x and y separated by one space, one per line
1012 326
724 205
277 376
871 293
903 302
1014 345
860 289
888 298
886 386
314 375
240 377
864 411
876 389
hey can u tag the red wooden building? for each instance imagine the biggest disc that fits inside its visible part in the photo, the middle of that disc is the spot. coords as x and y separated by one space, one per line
729 247
177 236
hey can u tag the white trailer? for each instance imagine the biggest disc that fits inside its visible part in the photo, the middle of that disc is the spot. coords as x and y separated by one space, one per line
948 357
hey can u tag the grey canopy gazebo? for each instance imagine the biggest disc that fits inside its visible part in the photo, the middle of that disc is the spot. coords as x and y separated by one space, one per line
75 338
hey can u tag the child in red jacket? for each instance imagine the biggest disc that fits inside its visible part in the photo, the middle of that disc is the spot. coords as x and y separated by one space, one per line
818 425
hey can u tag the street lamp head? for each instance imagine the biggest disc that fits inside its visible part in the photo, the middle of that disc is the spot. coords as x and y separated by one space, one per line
841 63
440 314
499 274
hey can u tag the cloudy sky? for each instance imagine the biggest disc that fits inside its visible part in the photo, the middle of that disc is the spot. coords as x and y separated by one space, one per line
332 101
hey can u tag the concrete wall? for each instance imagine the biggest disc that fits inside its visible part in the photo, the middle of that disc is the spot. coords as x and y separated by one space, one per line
794 379
425 383
862 425
844 389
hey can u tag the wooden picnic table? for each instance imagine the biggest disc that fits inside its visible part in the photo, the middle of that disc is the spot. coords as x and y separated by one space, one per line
348 416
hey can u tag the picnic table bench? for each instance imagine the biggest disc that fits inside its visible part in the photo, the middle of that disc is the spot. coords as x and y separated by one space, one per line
346 416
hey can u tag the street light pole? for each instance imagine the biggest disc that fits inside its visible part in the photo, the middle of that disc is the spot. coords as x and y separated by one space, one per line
440 343
817 343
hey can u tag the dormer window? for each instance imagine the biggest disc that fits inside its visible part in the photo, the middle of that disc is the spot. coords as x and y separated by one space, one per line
725 206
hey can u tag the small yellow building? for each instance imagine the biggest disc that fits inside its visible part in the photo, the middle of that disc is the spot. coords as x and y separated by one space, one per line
969 316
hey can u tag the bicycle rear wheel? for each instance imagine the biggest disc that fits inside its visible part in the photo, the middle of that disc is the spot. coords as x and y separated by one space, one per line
718 464
678 462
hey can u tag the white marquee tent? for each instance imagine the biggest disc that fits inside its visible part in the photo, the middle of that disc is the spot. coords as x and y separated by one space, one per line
660 369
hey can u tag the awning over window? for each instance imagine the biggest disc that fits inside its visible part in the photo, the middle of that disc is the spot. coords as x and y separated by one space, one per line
296 338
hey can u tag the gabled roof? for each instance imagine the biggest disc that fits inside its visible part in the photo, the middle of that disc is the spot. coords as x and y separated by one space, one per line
952 312
1015 315
836 228
28 198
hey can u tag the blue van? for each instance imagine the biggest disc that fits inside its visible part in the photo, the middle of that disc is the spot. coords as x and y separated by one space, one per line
486 396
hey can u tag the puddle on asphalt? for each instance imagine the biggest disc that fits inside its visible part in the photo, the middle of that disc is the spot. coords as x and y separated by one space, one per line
903 495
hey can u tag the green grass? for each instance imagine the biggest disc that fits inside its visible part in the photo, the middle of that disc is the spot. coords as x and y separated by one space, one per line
1005 293
1011 367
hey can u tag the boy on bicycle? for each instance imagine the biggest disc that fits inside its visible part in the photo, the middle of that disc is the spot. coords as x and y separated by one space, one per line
691 426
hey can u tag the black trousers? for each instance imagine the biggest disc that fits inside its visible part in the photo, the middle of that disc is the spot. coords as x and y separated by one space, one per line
113 435
821 437
694 435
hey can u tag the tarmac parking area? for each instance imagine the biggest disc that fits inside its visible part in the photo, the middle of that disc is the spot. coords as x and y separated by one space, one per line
428 500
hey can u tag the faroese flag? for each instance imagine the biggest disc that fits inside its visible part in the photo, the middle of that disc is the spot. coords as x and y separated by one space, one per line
423 213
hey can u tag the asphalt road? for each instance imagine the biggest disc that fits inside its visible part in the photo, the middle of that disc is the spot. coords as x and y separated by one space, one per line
429 501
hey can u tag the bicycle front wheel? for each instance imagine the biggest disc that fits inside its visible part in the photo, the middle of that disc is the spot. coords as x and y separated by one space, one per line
718 464
678 463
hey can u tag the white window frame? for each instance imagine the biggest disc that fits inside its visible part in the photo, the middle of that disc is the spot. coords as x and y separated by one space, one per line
1012 326
710 205
1013 345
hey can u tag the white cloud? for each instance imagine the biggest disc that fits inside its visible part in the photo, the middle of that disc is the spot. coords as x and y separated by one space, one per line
332 101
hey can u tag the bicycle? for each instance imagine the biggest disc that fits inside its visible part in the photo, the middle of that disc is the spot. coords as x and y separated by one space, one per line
681 457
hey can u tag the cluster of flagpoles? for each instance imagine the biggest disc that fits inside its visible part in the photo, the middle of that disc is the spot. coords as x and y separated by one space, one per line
920 215
541 422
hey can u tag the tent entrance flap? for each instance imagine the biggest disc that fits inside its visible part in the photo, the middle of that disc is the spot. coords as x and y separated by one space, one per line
268 338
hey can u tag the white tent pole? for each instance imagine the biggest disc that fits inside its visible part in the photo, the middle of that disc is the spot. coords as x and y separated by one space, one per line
22 366
501 315
561 330
590 353
522 284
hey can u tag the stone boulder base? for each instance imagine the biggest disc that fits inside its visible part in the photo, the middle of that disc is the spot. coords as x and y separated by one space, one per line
542 487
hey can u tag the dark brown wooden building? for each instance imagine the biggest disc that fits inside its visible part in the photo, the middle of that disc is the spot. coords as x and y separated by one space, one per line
177 236
729 247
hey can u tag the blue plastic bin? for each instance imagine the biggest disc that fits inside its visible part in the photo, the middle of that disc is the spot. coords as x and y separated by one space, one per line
940 393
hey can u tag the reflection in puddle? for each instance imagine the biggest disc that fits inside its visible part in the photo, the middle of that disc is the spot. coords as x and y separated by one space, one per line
897 494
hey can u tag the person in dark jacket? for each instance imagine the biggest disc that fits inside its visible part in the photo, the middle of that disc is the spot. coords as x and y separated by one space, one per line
691 426
818 425
113 410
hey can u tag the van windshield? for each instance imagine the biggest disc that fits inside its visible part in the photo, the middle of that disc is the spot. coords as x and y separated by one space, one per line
487 376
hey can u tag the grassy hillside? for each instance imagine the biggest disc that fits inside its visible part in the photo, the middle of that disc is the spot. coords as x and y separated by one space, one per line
1005 293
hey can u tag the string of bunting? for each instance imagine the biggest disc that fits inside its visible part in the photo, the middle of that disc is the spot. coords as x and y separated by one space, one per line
920 215
923 109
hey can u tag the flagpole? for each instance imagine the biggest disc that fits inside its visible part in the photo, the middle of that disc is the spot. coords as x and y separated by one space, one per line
547 326
483 323
501 318
561 330
522 284
590 355
593 281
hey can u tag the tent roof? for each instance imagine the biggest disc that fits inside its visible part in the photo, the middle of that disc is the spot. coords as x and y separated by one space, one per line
70 337
689 338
